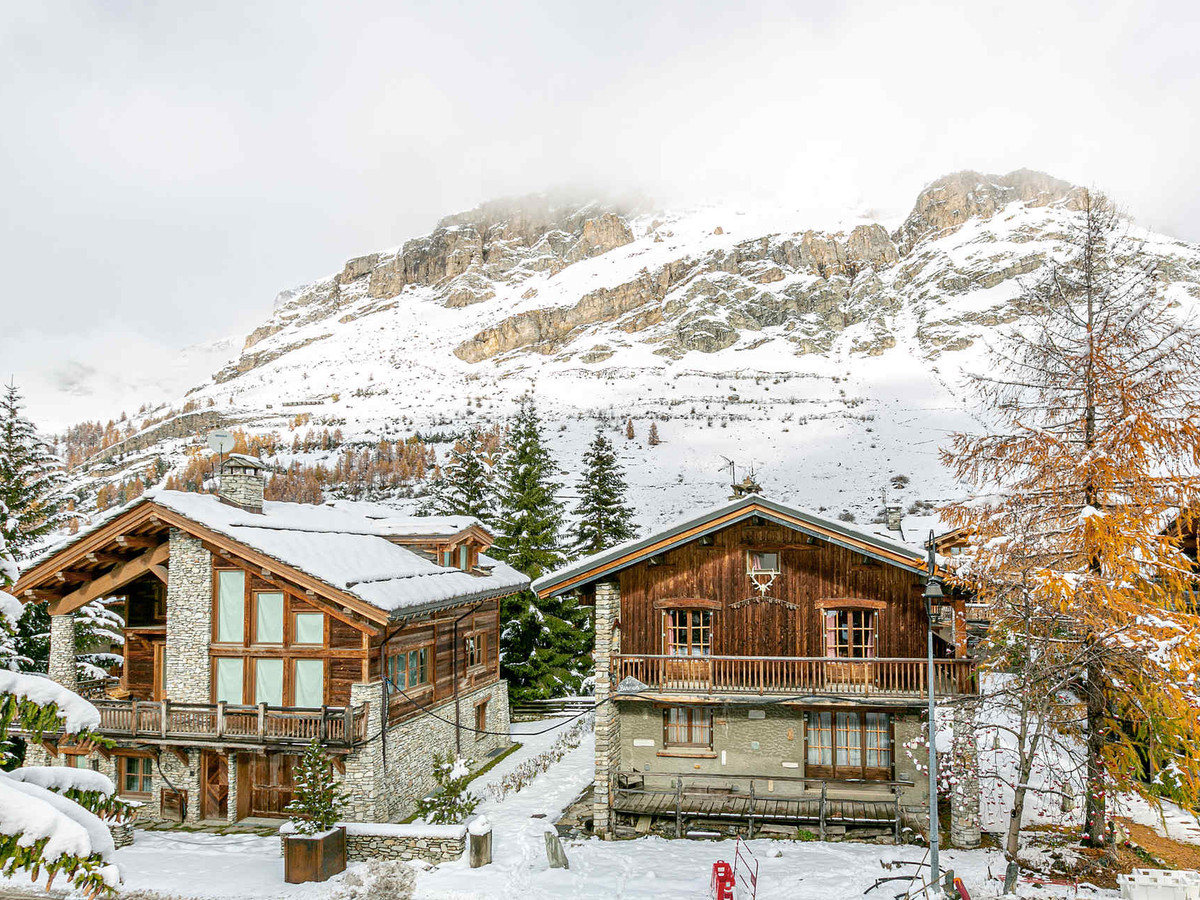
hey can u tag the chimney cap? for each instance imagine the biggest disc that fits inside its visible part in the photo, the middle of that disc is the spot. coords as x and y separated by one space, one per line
236 462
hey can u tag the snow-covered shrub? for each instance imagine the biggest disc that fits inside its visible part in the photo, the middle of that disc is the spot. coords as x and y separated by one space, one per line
316 798
379 879
93 791
453 804
520 777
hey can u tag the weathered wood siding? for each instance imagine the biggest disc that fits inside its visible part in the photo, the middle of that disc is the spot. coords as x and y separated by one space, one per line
811 573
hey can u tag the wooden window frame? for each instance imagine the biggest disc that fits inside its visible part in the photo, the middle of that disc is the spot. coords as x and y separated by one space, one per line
750 570
695 732
247 622
475 650
862 624
392 669
697 635
122 772
291 636
284 615
841 772
481 719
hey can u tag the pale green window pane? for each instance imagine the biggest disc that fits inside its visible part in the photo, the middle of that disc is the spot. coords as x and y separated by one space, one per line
229 680
268 620
310 628
231 606
309 682
268 681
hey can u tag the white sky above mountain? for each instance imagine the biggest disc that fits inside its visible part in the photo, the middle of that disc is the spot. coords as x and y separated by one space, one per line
168 168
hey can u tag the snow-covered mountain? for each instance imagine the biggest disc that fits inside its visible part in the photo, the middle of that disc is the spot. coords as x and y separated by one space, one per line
827 356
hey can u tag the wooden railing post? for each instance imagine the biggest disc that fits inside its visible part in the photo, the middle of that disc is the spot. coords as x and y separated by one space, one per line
164 710
262 720
133 718
821 811
220 718
323 728
679 806
349 736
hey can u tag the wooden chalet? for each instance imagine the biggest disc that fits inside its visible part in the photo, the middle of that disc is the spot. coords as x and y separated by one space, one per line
758 663
253 628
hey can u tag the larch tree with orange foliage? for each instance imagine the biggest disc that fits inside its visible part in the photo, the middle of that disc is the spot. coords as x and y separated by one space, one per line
1084 481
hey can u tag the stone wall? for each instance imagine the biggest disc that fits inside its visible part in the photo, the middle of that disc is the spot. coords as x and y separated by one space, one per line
62 651
189 620
389 792
433 843
608 722
245 488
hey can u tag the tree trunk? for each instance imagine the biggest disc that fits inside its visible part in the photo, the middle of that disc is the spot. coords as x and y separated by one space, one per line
1094 815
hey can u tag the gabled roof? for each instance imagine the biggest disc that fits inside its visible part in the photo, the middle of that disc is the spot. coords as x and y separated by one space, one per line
896 553
343 550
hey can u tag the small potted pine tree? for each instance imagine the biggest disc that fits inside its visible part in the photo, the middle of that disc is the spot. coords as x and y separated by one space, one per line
314 849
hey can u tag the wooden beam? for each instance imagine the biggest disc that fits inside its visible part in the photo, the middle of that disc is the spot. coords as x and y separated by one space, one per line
137 541
339 763
51 747
118 577
159 572
105 559
180 754
72 576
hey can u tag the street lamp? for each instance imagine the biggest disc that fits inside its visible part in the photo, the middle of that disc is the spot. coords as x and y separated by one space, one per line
933 596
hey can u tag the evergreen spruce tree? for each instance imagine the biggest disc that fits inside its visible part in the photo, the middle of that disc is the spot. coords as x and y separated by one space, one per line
603 519
465 486
316 798
545 644
31 489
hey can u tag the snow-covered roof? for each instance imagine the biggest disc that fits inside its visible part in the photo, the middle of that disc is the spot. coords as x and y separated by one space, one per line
345 548
907 555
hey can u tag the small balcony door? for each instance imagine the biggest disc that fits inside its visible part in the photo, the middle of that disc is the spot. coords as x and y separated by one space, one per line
688 638
160 670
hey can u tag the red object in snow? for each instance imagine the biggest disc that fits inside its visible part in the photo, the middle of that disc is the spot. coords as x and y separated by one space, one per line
722 881
962 889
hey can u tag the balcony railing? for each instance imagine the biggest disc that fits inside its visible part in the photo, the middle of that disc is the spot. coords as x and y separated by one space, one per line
226 723
796 675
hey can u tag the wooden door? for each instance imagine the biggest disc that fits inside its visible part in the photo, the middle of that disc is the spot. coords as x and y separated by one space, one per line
160 670
214 786
265 783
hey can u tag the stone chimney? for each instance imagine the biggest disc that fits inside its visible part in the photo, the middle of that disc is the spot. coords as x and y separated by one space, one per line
893 518
242 482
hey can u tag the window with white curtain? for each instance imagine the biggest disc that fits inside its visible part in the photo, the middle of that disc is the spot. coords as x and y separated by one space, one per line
308 682
268 681
309 628
228 674
231 606
268 617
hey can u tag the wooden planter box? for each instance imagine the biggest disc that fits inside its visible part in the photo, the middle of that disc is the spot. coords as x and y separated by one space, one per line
314 858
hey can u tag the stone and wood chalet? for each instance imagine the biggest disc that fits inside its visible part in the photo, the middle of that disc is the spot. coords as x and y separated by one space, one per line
253 627
763 666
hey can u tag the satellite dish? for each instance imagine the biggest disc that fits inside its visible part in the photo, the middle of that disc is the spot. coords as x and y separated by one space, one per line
221 441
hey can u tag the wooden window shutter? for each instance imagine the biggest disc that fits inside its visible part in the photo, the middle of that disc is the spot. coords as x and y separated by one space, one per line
830 634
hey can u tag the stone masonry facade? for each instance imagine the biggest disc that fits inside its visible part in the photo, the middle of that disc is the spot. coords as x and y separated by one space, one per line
608 721
62 651
380 793
189 620
433 845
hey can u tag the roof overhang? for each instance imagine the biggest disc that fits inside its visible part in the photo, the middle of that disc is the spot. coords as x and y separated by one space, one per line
604 564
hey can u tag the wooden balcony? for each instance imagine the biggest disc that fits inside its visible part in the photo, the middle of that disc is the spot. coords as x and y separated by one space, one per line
799 676
226 724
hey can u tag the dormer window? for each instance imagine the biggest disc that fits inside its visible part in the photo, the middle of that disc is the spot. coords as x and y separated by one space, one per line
762 563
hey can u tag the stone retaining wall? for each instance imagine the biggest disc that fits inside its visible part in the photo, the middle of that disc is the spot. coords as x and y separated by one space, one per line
433 843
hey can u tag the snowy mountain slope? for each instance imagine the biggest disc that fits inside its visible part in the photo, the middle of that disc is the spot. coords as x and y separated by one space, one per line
829 360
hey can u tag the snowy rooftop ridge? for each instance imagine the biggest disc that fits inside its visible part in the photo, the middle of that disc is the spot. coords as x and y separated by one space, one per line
345 548
837 532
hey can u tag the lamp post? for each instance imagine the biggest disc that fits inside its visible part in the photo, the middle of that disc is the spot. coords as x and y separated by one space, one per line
933 593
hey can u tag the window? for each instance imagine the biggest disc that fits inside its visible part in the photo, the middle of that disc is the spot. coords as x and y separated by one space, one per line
850 633
464 558
849 745
447 557
228 675
308 683
231 606
685 726
268 617
136 774
689 632
410 669
268 681
76 760
308 628
475 649
481 719
759 563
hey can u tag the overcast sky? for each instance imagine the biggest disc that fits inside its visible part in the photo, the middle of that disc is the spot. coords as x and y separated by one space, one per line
167 168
